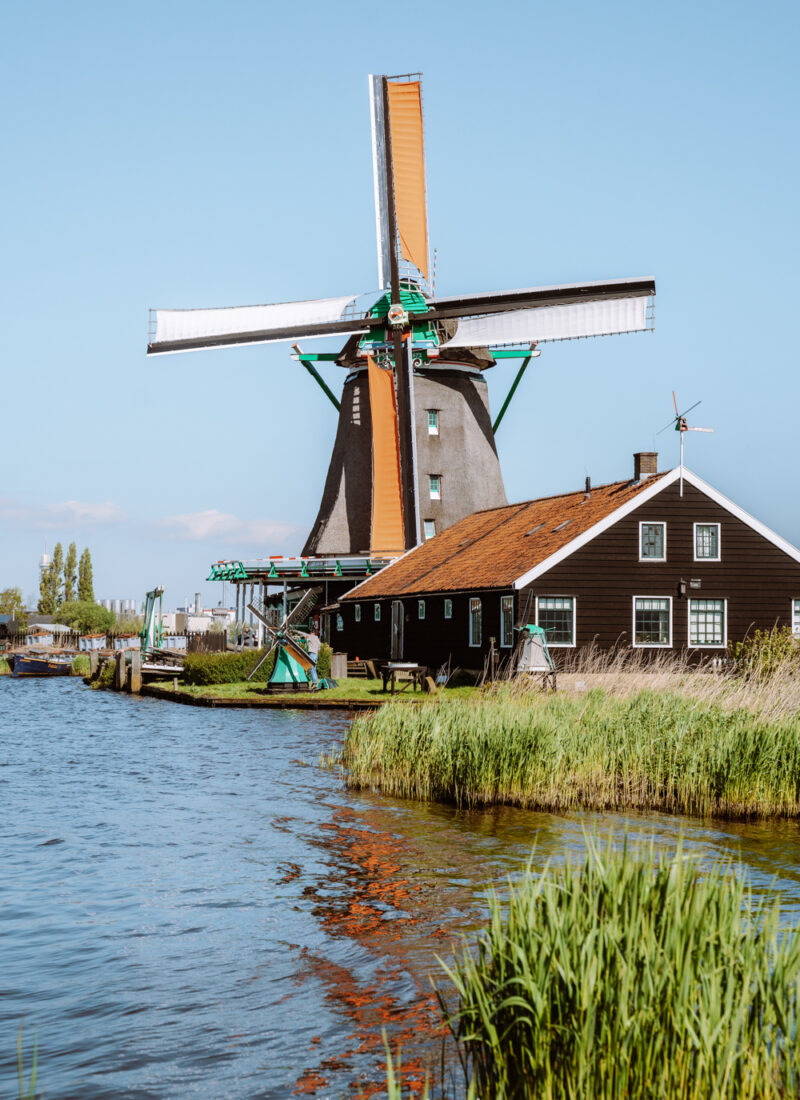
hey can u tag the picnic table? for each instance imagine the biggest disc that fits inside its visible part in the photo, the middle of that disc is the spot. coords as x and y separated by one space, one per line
407 673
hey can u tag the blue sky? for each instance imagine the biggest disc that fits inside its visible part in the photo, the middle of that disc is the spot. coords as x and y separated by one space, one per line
203 154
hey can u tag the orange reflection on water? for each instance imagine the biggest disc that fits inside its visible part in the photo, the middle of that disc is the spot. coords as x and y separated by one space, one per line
367 898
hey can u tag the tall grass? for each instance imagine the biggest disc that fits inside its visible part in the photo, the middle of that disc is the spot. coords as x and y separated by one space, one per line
26 1092
630 979
651 750
761 674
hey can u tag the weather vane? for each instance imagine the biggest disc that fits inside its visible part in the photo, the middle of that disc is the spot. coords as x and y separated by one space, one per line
681 425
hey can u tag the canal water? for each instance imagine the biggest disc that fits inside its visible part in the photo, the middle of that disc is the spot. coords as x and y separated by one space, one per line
191 906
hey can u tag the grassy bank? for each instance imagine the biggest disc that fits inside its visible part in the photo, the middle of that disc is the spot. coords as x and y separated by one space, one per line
650 750
630 979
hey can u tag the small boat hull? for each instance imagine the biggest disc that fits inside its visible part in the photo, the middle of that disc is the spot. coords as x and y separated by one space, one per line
40 666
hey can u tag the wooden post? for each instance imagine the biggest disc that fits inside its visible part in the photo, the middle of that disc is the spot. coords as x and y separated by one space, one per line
94 660
135 676
119 671
492 659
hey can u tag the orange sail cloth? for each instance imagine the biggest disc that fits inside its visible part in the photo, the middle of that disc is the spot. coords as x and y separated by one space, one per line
387 537
405 124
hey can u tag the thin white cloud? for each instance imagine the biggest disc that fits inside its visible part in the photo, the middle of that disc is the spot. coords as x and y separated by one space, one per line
76 511
223 526
67 514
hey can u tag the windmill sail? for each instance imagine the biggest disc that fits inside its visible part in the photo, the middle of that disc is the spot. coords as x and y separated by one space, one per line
396 120
191 329
543 323
387 532
408 162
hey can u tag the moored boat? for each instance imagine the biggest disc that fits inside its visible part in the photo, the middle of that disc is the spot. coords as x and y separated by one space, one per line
41 664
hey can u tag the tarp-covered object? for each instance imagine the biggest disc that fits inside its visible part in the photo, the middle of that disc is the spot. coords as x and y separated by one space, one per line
523 326
387 536
200 324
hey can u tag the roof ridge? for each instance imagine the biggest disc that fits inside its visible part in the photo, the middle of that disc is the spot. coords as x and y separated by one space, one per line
570 493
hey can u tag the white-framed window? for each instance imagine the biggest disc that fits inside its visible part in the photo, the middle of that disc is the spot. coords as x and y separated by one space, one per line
652 541
339 622
448 609
506 621
376 611
707 542
475 621
433 421
652 621
708 624
556 616
357 612
796 618
420 609
435 486
429 528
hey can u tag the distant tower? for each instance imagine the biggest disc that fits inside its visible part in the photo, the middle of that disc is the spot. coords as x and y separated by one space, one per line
44 564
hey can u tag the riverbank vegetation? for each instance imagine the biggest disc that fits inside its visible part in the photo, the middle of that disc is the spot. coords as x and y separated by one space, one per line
630 978
671 739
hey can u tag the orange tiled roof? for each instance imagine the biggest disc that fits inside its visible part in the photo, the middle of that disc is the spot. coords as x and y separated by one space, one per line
492 549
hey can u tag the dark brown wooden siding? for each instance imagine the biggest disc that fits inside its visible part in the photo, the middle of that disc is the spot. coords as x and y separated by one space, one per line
430 641
756 578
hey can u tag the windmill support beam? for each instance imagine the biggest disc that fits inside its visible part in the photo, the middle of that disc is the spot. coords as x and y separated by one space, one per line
312 370
522 368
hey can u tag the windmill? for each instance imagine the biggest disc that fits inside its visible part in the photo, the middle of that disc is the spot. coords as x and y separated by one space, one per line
680 424
292 663
415 448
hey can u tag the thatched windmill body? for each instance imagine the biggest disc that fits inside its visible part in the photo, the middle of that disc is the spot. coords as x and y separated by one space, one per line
414 448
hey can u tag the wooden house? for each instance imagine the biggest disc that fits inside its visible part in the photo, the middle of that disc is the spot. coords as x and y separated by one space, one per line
661 561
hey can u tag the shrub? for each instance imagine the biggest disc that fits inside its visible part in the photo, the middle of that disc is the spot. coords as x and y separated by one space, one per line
765 652
631 979
86 617
201 669
81 665
105 677
324 661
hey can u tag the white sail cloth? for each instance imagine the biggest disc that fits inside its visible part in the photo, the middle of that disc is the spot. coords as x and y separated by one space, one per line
200 324
526 326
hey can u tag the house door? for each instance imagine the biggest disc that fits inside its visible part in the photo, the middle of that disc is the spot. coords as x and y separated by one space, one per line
397 630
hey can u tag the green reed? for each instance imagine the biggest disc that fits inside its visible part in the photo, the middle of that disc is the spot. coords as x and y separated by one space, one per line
652 750
630 978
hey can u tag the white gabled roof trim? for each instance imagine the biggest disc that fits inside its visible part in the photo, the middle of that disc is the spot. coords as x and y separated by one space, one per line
745 517
642 498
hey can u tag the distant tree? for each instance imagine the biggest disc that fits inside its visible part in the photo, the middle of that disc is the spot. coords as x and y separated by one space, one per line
56 569
47 603
11 603
70 573
86 616
85 582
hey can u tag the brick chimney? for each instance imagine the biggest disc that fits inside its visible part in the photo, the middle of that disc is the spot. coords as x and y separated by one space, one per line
645 463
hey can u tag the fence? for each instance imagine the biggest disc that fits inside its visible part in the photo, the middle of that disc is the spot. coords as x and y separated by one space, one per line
212 641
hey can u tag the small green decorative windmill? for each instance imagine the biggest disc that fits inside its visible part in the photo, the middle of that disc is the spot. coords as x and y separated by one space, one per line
292 662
